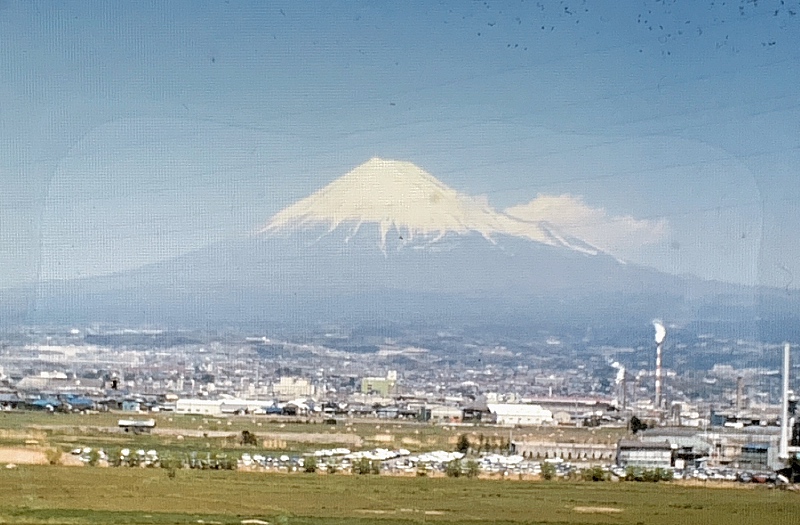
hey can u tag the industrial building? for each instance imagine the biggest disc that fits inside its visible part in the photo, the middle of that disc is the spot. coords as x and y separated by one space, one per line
574 452
649 454
199 406
508 414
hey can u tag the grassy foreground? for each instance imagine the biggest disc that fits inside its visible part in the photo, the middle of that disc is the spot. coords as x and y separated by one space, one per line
274 433
55 495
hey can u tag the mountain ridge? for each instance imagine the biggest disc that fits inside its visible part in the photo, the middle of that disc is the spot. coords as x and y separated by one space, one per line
338 255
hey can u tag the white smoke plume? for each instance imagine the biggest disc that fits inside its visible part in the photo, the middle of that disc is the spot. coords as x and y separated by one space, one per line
620 375
661 332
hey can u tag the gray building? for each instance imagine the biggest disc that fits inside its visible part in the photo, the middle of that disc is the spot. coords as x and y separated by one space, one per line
651 454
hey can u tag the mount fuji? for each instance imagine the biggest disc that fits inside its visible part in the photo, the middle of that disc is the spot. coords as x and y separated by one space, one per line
385 242
400 198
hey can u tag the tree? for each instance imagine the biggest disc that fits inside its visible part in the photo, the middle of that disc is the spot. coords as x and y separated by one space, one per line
248 438
792 469
637 424
310 464
463 444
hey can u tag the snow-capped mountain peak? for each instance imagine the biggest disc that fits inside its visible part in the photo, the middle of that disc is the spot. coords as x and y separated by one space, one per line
399 196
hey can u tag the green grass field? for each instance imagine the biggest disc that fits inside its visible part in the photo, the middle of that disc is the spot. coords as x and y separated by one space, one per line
56 495
99 430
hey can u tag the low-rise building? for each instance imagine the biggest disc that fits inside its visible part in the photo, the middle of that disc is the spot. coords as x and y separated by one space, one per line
509 414
199 406
650 454
293 387
448 414
756 456
384 386
575 452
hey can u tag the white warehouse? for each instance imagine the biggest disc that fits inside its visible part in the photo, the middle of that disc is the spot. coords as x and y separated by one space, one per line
519 414
199 406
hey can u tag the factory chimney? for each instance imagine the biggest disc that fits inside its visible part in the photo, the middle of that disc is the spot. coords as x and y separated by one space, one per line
661 334
739 395
783 447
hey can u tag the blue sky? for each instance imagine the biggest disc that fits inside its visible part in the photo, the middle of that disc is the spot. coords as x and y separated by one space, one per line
132 132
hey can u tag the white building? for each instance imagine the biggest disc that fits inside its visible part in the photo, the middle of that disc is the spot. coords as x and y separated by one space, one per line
292 387
206 407
519 414
220 407
444 413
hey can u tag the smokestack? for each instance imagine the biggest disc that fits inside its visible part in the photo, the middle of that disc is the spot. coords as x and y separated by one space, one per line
783 448
620 380
661 334
739 394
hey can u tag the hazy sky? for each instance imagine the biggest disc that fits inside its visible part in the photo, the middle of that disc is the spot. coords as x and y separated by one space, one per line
133 131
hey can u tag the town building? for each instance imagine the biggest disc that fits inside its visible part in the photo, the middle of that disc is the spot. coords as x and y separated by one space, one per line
293 387
650 454
199 406
446 414
383 386
508 414
574 452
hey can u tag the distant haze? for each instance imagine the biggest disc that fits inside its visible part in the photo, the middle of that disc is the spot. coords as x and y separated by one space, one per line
627 147
389 243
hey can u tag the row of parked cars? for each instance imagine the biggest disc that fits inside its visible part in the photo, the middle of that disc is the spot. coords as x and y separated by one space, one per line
726 474
711 474
402 461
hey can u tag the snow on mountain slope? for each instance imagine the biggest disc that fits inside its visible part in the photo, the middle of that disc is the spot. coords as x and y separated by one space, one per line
400 196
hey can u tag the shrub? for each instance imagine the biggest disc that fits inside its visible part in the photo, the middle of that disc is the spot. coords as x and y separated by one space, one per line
473 469
53 455
548 470
662 474
594 474
648 475
362 466
453 469
170 462
94 457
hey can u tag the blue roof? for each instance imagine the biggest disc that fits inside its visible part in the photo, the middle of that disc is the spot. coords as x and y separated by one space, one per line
43 403
80 401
